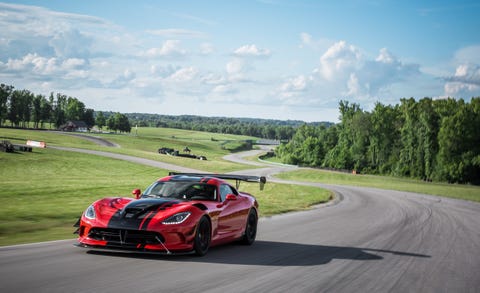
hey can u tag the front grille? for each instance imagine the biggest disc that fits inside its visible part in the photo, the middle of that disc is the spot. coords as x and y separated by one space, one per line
126 238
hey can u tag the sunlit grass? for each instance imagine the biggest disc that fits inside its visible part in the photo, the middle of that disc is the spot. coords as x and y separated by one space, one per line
145 142
467 192
43 192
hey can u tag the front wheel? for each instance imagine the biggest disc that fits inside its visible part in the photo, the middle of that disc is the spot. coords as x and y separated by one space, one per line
202 237
251 228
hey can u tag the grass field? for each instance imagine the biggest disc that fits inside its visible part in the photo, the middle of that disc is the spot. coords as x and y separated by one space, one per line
467 192
145 143
42 193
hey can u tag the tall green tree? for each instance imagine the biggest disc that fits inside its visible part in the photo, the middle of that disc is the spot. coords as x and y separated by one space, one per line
305 147
15 108
383 146
427 132
59 110
26 102
459 144
88 117
340 157
46 111
5 93
100 120
37 110
408 163
119 122
74 109
360 129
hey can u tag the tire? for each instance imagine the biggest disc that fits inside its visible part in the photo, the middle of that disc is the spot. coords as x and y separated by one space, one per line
203 236
250 228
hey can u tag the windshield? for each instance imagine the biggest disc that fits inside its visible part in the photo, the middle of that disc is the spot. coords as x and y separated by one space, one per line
181 190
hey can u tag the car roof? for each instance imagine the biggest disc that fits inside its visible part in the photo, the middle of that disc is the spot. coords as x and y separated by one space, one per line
193 178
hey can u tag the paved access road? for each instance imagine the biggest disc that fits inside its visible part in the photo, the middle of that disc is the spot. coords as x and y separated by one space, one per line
368 240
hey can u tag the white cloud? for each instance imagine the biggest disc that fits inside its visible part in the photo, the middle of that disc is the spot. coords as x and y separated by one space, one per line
127 75
33 29
184 75
307 41
213 79
465 82
294 91
33 64
295 84
374 78
169 49
206 48
385 57
241 67
224 89
353 85
235 66
238 69
163 71
73 63
251 51
70 43
339 60
344 72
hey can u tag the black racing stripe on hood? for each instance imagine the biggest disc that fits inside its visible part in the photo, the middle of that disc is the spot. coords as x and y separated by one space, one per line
137 214
144 225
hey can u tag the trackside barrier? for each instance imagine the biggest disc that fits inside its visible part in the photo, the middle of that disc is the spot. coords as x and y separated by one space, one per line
38 144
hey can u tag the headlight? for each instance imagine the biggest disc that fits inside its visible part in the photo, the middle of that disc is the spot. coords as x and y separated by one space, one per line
90 213
177 218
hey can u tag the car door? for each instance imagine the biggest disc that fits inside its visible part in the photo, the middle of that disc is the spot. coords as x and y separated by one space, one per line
232 216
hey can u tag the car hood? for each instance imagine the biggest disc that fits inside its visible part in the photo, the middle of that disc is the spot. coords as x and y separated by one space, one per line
128 213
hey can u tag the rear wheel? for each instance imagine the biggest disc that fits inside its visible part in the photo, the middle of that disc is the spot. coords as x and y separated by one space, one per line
202 237
251 228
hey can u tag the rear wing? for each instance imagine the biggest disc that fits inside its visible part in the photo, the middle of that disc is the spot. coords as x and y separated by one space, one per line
238 178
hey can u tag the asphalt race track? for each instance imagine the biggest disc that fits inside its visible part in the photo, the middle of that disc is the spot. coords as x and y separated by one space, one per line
367 240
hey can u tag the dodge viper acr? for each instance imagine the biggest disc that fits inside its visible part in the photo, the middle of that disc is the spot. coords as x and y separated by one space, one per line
182 212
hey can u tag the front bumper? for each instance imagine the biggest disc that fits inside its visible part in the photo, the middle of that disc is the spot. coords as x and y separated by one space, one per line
106 249
170 239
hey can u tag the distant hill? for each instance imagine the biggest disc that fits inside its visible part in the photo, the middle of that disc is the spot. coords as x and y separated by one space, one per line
258 127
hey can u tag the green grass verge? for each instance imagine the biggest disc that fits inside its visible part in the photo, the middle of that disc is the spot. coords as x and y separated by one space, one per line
282 198
43 192
458 191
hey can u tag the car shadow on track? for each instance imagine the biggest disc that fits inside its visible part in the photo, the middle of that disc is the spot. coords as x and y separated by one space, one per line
271 253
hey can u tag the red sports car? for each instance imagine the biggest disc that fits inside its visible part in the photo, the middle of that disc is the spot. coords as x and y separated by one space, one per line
182 212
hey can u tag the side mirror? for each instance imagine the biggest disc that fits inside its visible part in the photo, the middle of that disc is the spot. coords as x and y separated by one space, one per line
137 192
230 197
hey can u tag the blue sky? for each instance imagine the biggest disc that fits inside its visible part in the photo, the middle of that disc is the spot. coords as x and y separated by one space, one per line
273 59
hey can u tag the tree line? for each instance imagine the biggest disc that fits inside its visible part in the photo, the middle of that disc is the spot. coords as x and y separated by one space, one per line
113 121
262 128
426 139
22 108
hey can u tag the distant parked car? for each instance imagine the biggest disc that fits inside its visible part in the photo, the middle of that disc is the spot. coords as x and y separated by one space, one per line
176 153
165 151
6 146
